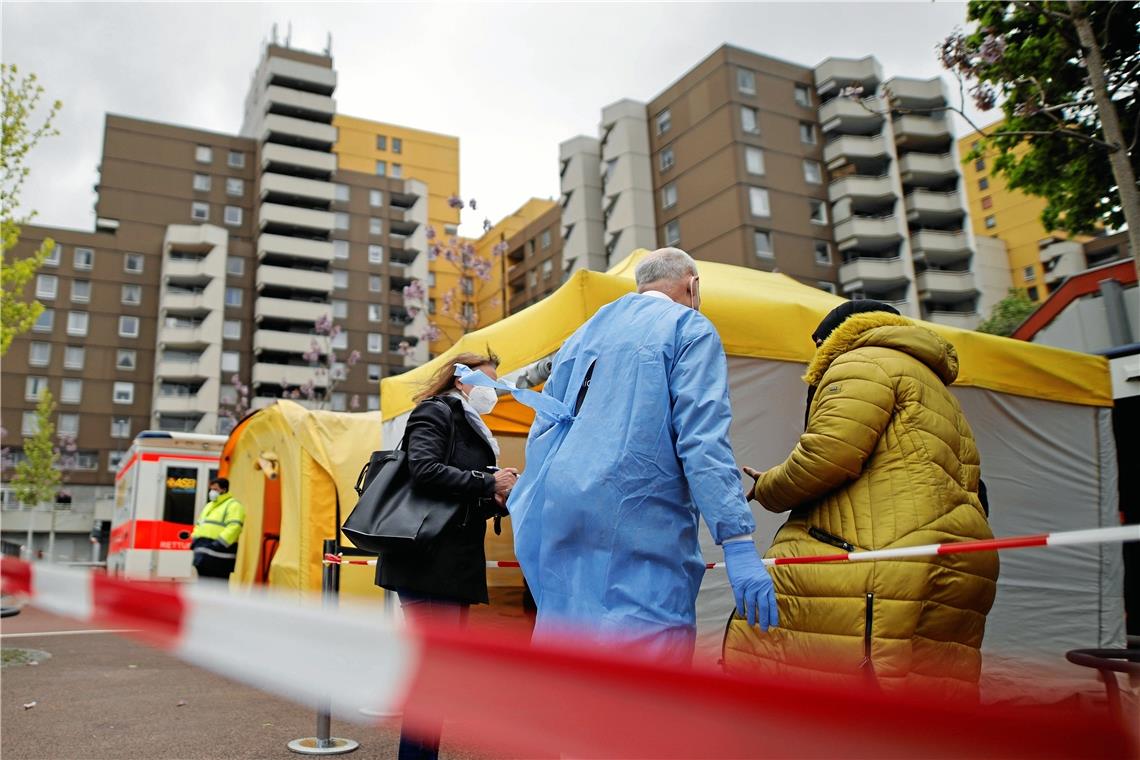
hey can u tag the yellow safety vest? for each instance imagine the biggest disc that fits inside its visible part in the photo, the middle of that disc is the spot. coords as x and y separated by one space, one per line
221 520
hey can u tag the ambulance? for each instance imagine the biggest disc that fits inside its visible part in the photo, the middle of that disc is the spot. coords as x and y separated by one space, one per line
159 489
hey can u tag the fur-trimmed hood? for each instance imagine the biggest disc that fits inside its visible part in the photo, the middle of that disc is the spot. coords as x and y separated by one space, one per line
880 328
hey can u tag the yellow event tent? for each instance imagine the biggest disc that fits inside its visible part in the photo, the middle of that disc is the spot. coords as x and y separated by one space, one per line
1042 418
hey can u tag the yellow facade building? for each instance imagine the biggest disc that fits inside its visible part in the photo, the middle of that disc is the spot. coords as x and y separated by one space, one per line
1009 215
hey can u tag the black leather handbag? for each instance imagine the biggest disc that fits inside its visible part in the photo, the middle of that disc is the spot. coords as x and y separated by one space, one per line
392 515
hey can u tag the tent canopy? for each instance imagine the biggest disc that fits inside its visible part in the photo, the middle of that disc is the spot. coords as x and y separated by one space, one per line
758 315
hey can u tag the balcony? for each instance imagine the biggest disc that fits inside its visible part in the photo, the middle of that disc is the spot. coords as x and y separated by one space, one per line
176 404
940 248
935 209
183 337
287 374
922 133
852 117
836 73
286 129
295 279
917 93
297 103
296 188
179 301
868 233
283 308
946 287
855 149
316 250
927 168
279 340
292 217
274 157
300 75
859 189
873 274
186 269
966 320
400 252
185 369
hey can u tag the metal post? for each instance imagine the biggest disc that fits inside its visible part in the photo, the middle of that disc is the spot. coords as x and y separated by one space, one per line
323 743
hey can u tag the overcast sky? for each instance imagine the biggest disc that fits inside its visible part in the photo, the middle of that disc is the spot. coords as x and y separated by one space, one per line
511 80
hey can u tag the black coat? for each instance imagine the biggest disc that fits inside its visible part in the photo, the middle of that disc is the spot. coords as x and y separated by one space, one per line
454 566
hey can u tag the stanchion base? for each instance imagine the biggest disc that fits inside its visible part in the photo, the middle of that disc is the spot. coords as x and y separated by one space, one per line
309 746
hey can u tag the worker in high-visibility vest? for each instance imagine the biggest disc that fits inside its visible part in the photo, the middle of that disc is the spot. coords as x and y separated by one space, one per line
215 537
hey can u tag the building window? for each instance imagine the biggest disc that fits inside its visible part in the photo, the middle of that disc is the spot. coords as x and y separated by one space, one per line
340 340
431 306
669 195
803 95
980 165
547 268
664 121
822 252
77 323
763 243
202 183
54 255
131 295
47 285
68 425
827 287
746 81
232 215
469 311
114 459
120 427
33 387
1028 274
231 329
375 283
375 254
341 220
125 359
337 402
375 372
665 159
339 309
340 249
807 133
812 172
235 266
987 202
231 361
374 313
84 258
1031 291
71 392
233 296
45 322
375 226
397 170
128 327
397 145
123 393
381 168
39 354
74 357
236 159
29 424
991 222
818 211
81 291
749 120
758 202
375 343
754 160
984 184
431 279
673 232
340 279
467 286
532 279
381 142
235 186
373 403
133 263
204 154
544 239
200 211
375 198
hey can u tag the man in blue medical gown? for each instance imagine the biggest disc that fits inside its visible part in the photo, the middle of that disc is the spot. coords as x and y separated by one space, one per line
605 514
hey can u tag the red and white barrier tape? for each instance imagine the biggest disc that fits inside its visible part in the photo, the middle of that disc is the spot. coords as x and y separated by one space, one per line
1121 534
498 693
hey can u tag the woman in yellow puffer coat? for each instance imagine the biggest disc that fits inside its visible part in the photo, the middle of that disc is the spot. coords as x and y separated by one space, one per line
887 459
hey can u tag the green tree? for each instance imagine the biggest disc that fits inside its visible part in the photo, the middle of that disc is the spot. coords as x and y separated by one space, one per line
22 130
1008 313
37 477
1065 75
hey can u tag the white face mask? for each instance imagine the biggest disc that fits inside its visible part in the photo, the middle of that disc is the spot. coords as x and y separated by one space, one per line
482 399
213 494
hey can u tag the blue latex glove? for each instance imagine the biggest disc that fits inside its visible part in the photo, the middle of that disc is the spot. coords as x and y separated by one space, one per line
751 584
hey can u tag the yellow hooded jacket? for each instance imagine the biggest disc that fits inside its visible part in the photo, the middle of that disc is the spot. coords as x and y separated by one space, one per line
887 459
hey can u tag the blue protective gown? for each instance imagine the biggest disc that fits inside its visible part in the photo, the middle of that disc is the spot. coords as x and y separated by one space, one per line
605 514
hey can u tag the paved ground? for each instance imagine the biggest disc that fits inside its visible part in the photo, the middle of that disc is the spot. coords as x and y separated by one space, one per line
101 696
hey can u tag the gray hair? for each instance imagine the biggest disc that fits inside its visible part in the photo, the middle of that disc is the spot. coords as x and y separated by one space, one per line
664 265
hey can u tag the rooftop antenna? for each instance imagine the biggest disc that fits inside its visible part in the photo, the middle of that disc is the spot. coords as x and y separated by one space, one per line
328 45
288 34
274 32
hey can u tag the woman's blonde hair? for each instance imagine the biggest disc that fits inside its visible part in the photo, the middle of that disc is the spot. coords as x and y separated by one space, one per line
444 380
